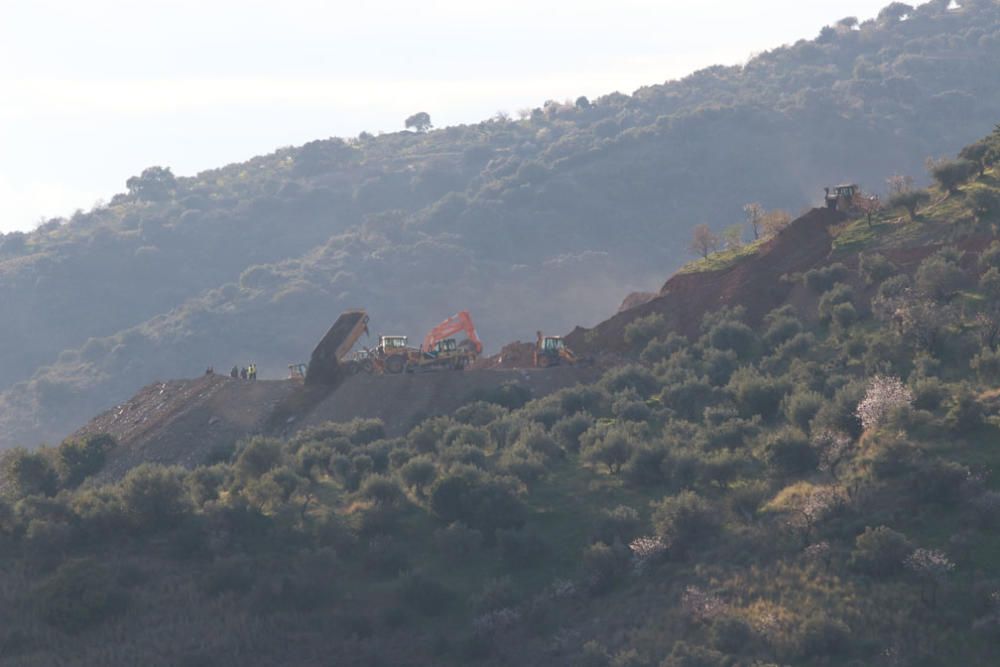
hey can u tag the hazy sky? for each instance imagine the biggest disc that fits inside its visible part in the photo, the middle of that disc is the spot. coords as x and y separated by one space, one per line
93 91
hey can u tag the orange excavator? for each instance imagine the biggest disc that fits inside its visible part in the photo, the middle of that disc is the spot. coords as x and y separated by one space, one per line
441 350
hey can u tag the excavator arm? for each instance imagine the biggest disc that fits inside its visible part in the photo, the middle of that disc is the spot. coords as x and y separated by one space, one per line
454 324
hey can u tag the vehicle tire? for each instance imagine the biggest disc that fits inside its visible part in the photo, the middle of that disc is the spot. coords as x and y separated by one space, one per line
352 367
368 366
544 361
395 364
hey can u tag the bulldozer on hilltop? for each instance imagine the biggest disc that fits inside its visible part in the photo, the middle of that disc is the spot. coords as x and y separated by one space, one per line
552 351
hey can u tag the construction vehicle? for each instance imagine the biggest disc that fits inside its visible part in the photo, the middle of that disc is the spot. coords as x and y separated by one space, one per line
392 355
552 351
844 198
439 350
297 372
325 365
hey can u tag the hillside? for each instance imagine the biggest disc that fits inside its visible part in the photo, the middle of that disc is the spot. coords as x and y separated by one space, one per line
537 222
794 465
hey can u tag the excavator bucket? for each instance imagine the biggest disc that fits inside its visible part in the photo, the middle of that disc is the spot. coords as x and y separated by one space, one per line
324 364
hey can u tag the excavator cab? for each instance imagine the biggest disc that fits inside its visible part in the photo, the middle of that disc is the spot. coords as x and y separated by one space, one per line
553 344
445 346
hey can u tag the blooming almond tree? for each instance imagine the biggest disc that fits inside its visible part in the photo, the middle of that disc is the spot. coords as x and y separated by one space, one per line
930 565
884 395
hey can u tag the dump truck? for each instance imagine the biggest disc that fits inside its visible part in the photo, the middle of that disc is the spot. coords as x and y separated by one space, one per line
325 364
552 351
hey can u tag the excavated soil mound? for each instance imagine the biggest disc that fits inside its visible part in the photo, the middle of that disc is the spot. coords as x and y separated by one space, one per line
185 422
512 355
755 283
401 401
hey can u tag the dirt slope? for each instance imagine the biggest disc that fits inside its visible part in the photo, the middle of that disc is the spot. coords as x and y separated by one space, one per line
754 283
183 422
403 400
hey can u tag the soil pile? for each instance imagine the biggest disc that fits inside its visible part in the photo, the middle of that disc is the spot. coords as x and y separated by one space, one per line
188 422
755 283
512 355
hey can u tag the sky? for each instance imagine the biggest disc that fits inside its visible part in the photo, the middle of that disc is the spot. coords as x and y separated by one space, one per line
94 91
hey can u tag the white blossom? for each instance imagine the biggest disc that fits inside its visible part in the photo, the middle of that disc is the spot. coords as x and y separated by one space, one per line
929 562
702 605
644 550
884 395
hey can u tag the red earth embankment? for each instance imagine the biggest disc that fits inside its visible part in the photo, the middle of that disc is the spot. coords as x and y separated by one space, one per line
754 283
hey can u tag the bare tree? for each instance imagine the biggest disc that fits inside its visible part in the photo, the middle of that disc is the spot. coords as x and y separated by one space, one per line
704 241
774 221
870 205
754 213
898 184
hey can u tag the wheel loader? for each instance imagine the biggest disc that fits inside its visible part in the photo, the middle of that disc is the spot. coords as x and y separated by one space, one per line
552 351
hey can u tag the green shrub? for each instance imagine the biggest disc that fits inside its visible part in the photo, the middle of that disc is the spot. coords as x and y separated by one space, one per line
735 336
621 524
822 636
477 500
78 459
418 473
689 655
424 595
732 634
986 364
789 452
457 542
27 473
938 277
951 173
258 456
510 395
480 413
880 551
875 268
641 330
984 202
603 565
80 593
990 257
568 430
835 296
634 377
610 447
757 394
822 279
911 200
685 521
381 490
800 407
520 549
660 349
154 497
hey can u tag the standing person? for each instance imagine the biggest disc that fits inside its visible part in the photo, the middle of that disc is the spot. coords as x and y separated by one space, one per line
243 373
253 371
235 373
